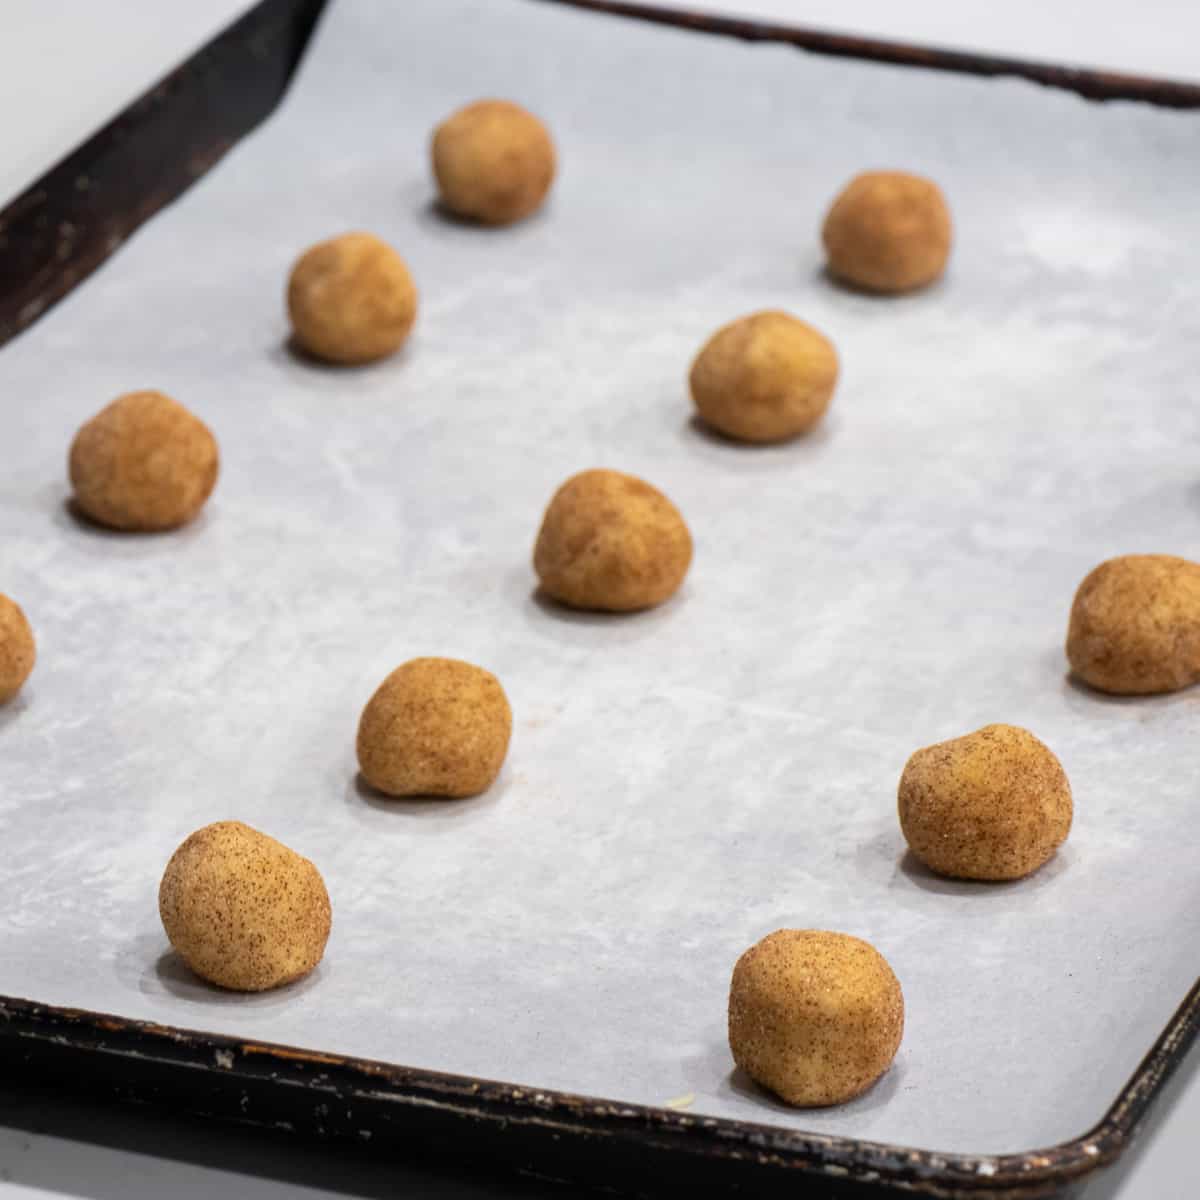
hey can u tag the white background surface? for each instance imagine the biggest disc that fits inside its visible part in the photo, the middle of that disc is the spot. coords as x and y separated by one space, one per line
44 44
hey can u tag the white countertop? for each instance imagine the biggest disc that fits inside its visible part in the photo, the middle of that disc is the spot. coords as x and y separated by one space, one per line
66 66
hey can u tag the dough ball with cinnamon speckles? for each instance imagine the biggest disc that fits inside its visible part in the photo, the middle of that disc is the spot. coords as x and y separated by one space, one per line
764 378
435 727
815 1017
351 299
888 231
493 161
993 804
144 463
1135 625
17 649
611 541
242 910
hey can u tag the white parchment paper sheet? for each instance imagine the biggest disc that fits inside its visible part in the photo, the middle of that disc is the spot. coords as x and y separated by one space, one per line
681 782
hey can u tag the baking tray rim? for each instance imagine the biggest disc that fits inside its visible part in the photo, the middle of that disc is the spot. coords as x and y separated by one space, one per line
1034 1172
1093 83
1031 1172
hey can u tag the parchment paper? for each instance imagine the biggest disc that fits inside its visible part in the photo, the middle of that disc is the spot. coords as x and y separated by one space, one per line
681 782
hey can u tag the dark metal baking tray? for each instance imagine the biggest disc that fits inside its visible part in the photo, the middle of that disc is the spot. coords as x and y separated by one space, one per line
50 239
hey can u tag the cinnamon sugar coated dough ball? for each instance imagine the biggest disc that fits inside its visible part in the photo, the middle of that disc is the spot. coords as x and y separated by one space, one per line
143 463
435 727
764 378
242 910
611 541
493 161
18 651
993 804
351 299
1135 625
815 1017
888 231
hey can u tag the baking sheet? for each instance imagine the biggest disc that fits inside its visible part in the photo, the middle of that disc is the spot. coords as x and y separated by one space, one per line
683 781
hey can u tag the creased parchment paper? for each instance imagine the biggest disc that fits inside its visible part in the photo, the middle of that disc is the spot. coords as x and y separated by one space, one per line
681 782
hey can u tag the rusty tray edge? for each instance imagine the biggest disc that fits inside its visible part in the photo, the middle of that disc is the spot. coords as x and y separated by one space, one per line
63 227
1090 82
590 1138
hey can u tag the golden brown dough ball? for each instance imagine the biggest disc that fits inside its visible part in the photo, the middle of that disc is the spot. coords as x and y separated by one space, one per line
993 804
1135 625
242 910
494 162
17 649
351 299
611 541
888 231
815 1017
764 378
143 463
435 727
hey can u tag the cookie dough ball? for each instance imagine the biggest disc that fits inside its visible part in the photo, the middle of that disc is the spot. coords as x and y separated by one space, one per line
764 378
993 804
611 541
17 649
493 161
435 727
888 231
143 463
815 1017
1135 625
351 299
242 910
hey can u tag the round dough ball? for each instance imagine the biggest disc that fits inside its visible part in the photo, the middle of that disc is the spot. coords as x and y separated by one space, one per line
816 1017
494 162
993 804
611 541
1135 625
242 910
764 378
888 231
435 727
143 463
351 299
17 649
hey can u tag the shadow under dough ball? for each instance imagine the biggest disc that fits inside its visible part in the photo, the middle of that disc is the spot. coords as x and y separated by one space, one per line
611 541
351 300
243 910
815 1017
18 651
493 162
144 463
994 804
764 378
435 727
888 231
1135 625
